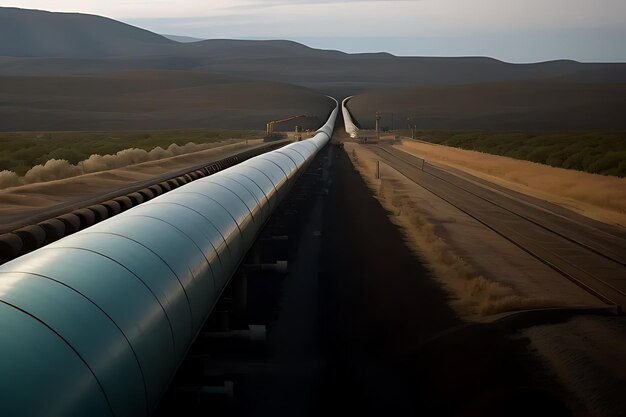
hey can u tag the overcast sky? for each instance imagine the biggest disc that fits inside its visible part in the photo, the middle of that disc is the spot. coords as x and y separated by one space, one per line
512 30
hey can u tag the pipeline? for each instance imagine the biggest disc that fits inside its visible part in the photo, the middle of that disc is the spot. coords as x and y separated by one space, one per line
27 238
97 323
350 127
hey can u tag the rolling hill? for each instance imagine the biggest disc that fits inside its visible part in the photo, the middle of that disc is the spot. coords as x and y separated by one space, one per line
43 34
182 39
36 33
68 43
523 105
150 99
56 57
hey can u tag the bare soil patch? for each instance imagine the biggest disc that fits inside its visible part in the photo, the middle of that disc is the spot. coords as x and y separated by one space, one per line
484 273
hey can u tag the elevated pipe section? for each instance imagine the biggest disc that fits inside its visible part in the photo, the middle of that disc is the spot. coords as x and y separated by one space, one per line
97 323
350 127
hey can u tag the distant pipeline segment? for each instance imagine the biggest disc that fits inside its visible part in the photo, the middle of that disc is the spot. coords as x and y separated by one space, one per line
96 323
351 129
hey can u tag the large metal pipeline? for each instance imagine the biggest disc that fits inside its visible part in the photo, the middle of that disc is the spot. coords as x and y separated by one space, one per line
350 127
97 323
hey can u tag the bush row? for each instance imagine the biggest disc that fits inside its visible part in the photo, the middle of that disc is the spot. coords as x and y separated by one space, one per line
597 153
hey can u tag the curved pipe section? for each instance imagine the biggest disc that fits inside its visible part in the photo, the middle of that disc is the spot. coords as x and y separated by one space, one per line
97 323
350 127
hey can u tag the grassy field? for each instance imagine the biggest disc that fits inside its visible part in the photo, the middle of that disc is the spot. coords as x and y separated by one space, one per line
20 151
594 152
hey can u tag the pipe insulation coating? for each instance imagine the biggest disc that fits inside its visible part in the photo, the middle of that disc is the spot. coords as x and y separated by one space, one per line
97 323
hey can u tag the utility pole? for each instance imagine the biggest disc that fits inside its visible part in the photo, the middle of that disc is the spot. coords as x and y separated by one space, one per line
378 126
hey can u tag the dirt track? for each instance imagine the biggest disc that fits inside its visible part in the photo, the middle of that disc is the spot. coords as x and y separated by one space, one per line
379 303
381 308
358 327
349 326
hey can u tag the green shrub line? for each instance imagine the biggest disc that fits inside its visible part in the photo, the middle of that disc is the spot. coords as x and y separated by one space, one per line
20 151
594 152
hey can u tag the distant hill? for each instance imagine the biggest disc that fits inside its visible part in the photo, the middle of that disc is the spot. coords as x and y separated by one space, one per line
43 43
247 49
78 71
182 39
42 34
535 106
35 33
152 100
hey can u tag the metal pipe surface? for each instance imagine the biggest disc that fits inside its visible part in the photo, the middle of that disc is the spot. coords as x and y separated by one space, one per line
96 324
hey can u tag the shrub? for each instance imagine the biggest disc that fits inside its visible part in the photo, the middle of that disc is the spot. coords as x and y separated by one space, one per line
21 151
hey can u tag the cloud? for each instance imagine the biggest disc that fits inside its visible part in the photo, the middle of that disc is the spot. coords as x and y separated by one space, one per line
255 6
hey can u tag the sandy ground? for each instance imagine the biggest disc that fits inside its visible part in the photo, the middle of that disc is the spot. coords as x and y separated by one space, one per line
599 197
47 194
584 354
485 273
587 356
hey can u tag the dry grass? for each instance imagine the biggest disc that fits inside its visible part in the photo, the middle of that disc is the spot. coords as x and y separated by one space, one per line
473 295
596 196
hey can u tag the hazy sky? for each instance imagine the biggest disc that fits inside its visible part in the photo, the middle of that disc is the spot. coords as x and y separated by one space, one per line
512 30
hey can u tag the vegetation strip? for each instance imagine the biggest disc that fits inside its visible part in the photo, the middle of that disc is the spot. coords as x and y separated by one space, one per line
594 152
20 151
